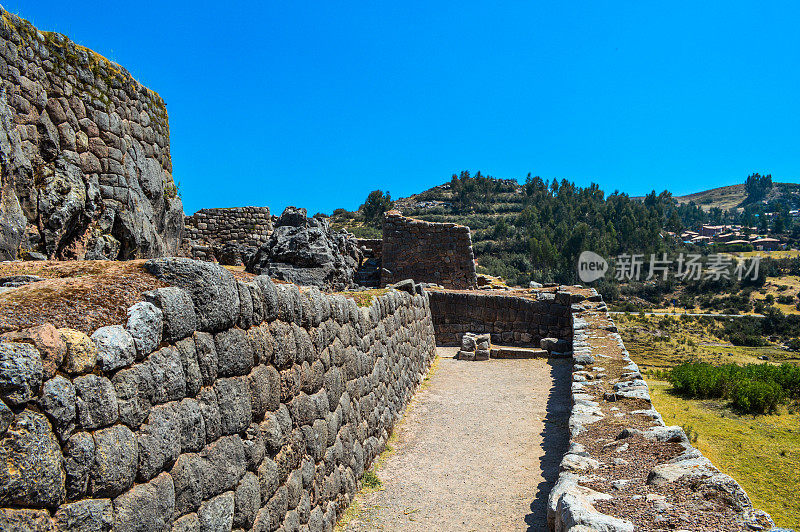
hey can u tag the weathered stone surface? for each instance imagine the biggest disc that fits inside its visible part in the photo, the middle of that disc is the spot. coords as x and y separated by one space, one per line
115 347
210 410
115 461
187 523
247 501
268 479
134 389
58 403
6 417
146 507
273 434
96 401
307 251
88 515
234 353
159 441
81 353
20 520
271 515
227 461
78 460
31 469
145 325
216 515
191 367
212 288
206 357
20 372
192 426
47 340
169 381
177 308
233 398
265 390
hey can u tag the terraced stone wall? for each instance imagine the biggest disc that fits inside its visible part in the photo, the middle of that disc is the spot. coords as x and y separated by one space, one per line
509 319
626 470
427 252
84 152
219 405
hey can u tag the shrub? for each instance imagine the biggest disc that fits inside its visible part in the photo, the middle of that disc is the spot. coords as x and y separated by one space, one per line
753 388
757 396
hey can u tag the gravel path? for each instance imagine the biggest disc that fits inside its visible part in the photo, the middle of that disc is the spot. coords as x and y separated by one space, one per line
478 449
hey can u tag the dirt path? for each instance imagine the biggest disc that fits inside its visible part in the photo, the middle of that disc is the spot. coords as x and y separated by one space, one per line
478 449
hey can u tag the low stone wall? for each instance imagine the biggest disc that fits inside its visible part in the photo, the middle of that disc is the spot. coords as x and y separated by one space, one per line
218 405
373 245
428 252
245 226
510 320
625 470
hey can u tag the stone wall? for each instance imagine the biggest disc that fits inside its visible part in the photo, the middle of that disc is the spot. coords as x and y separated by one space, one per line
427 252
244 226
219 404
625 470
511 320
84 153
374 246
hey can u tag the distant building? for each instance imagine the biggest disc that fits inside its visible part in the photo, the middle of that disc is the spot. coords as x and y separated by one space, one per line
712 230
767 244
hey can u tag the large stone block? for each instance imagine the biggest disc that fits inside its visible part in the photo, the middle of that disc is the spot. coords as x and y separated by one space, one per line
20 372
212 288
177 308
58 403
47 340
115 461
115 348
31 470
145 325
96 401
146 507
234 353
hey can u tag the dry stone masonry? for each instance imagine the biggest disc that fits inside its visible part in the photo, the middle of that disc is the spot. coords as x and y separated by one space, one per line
85 166
522 320
428 252
625 470
219 405
210 229
474 347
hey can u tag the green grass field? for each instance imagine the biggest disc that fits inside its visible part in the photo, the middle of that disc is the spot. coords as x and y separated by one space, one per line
761 452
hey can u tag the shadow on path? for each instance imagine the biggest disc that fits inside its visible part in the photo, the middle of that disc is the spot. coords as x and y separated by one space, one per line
555 440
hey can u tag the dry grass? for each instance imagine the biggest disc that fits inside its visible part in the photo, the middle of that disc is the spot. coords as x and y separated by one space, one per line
82 295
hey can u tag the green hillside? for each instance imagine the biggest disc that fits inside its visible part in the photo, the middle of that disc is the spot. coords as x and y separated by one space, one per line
736 196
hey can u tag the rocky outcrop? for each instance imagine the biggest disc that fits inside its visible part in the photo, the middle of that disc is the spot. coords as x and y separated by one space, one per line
85 167
308 252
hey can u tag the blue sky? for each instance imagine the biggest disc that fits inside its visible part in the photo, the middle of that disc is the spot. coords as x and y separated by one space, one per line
315 104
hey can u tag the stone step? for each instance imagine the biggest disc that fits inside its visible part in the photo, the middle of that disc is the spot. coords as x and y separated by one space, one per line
503 351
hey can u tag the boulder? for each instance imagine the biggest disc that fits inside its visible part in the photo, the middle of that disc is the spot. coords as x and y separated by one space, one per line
307 251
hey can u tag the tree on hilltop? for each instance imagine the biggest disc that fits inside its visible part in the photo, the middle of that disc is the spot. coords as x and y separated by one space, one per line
376 204
757 186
